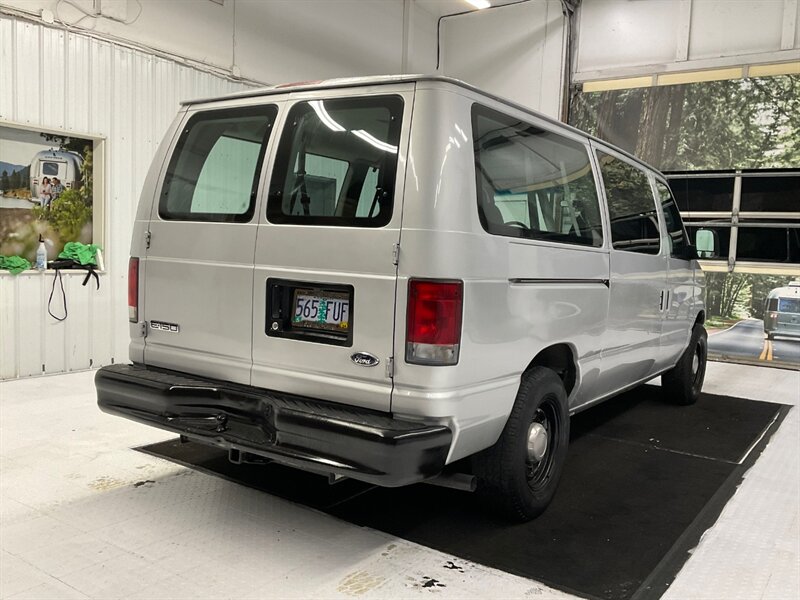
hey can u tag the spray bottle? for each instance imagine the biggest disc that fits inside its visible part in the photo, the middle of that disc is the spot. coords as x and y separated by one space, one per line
41 255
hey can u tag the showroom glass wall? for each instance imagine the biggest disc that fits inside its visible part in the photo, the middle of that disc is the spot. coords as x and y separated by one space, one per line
730 145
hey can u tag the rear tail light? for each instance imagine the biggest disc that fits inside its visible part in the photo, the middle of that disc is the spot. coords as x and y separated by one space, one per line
433 321
133 290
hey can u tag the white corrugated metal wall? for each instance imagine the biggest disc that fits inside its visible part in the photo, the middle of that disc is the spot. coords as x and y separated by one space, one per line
55 79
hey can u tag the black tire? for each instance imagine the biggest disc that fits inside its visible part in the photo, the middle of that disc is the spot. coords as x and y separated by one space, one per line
510 480
684 382
770 336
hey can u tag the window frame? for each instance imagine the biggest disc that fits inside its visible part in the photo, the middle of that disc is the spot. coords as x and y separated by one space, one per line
649 175
663 217
269 110
482 109
737 220
398 106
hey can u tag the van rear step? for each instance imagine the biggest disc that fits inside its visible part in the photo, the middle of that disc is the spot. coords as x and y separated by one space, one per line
302 432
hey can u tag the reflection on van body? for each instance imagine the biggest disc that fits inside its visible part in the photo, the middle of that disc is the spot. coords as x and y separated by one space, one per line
782 314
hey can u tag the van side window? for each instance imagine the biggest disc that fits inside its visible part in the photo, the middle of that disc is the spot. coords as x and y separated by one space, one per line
678 241
634 217
337 162
533 183
213 172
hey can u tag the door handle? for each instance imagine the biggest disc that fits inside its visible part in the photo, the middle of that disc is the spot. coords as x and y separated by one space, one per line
663 303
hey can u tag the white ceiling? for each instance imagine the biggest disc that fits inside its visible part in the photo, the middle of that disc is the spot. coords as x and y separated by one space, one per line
440 8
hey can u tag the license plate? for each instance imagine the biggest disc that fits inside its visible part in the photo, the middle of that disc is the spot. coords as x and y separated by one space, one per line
321 310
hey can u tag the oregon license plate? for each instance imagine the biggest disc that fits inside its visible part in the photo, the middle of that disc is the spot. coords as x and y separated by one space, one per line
321 310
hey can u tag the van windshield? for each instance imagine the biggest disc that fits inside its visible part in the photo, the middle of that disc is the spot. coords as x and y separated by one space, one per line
337 162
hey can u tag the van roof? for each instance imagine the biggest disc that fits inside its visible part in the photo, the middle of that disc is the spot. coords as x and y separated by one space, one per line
345 82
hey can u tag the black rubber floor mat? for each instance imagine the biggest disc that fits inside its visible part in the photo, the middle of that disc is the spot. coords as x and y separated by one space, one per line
643 480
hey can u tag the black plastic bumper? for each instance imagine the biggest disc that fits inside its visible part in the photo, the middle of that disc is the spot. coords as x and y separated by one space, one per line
301 432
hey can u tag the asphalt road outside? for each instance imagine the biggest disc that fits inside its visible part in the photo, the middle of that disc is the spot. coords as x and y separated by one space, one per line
746 340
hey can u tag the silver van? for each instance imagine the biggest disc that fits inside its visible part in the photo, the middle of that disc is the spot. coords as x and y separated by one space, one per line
782 311
378 278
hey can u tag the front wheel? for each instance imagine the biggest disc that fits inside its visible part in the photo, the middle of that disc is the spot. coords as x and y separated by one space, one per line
684 381
518 476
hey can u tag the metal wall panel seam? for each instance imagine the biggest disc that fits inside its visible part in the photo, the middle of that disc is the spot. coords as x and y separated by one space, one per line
16 328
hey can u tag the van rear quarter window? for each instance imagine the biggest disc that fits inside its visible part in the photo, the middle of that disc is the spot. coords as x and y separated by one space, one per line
213 172
337 162
533 183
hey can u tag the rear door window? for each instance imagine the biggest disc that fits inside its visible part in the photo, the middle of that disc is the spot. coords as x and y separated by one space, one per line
213 172
631 206
533 183
337 162
50 168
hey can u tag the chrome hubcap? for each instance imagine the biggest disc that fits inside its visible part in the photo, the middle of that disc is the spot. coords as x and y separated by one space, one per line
537 442
695 364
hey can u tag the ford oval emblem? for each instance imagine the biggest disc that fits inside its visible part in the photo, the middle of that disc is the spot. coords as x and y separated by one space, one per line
365 359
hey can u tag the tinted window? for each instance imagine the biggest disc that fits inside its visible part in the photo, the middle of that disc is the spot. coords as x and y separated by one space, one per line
768 244
789 305
770 194
337 162
533 183
634 218
213 173
713 194
672 219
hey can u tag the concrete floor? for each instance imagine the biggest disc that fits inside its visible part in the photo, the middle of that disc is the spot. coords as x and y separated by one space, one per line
83 516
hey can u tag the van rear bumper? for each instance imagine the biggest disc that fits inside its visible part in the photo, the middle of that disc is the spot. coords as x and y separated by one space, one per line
301 432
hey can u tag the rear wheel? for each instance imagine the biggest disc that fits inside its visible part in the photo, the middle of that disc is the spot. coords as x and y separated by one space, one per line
684 381
518 476
770 336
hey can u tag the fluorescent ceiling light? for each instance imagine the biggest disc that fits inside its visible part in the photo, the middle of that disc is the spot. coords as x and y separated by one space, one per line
372 140
323 115
480 3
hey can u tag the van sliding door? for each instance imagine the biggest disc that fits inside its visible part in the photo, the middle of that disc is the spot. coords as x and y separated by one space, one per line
631 350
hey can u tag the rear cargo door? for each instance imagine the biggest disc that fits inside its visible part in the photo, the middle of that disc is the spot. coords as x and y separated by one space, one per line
325 268
198 276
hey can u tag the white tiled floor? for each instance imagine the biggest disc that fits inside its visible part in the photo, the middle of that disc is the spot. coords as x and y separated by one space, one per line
83 516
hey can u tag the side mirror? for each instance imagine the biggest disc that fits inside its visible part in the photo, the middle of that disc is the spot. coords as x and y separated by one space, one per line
706 243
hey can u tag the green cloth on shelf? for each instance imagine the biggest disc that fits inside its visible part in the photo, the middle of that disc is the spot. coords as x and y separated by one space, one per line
84 254
14 264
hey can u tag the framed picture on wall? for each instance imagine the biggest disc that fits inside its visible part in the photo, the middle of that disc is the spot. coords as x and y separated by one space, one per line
49 187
